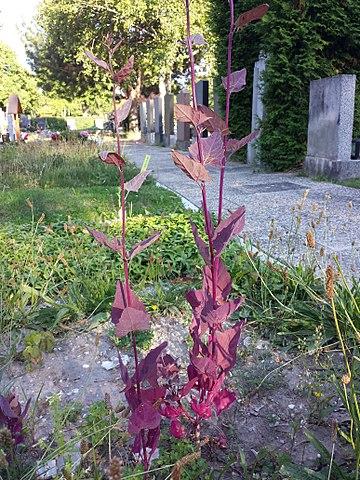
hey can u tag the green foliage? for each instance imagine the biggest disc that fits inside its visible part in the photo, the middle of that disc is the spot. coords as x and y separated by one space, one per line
55 123
150 29
37 343
143 340
303 40
14 79
99 424
173 450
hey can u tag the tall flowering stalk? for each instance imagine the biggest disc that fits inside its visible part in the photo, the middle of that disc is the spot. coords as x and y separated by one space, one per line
213 353
142 389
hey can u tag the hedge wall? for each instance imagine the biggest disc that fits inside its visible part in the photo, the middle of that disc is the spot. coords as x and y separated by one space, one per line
303 40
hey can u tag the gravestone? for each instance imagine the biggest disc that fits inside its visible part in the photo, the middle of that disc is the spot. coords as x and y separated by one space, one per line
150 120
99 123
142 115
331 118
183 129
158 111
257 114
168 118
70 122
202 92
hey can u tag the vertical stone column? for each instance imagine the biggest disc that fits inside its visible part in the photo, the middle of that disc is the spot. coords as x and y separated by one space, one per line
142 114
159 128
169 118
257 114
150 120
183 129
202 92
330 129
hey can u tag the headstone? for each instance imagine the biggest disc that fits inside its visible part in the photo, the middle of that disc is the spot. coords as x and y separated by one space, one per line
158 112
71 123
150 120
331 119
202 92
168 118
24 121
183 129
257 114
142 115
99 123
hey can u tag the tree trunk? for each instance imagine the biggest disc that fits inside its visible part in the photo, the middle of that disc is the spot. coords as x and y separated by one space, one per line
135 94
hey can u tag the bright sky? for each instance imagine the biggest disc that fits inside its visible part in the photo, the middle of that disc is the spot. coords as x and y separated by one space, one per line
14 14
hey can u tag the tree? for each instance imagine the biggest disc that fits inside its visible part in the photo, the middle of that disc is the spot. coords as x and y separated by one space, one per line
15 79
149 29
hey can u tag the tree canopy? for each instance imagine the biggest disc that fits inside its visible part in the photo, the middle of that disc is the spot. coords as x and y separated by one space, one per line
151 30
15 79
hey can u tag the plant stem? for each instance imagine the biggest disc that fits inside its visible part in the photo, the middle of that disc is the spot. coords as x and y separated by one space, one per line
227 111
126 268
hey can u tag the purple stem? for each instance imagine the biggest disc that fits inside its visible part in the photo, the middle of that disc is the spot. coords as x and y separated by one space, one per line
126 265
227 111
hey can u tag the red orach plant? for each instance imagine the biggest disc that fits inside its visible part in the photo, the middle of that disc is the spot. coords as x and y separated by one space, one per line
213 353
142 389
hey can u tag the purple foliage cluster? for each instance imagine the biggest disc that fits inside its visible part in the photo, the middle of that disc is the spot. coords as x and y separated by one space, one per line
12 415
155 389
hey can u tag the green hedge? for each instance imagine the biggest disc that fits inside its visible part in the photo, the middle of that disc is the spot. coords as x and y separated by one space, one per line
304 40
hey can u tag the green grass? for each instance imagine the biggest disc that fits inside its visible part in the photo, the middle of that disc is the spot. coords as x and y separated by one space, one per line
352 182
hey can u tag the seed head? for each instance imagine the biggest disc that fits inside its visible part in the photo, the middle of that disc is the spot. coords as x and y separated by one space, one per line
310 239
115 468
346 379
330 280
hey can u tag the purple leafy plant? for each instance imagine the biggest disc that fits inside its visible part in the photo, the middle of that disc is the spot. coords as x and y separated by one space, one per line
12 416
142 389
214 347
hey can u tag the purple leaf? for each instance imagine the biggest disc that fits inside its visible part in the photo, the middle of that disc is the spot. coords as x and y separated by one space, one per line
121 302
122 112
99 63
223 284
145 417
192 168
125 71
113 243
148 366
188 114
152 440
123 371
172 412
135 183
226 346
237 81
202 247
228 229
177 430
141 246
188 387
197 39
112 158
223 400
153 395
202 409
132 320
212 149
204 366
214 121
234 145
250 16
223 312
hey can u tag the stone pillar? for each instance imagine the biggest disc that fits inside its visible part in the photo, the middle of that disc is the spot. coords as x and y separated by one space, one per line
150 120
257 107
158 110
202 92
183 129
330 129
142 115
169 118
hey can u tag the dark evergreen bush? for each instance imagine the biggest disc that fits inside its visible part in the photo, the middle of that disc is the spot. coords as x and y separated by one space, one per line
304 40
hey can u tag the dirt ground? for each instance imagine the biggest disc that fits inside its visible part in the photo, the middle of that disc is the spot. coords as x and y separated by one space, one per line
279 394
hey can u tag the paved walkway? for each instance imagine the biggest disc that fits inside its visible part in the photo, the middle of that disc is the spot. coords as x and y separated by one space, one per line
274 202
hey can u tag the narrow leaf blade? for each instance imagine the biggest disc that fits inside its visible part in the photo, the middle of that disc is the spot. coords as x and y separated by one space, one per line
141 246
100 63
251 15
136 182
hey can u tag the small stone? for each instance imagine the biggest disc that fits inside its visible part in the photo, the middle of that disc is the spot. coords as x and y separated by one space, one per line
247 342
86 366
109 365
291 406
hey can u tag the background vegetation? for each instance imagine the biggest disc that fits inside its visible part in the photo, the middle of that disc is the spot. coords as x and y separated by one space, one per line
303 40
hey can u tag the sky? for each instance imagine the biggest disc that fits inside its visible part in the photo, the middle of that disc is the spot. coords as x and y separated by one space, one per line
13 15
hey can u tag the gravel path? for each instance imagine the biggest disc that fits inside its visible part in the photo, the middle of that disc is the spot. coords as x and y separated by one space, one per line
274 201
